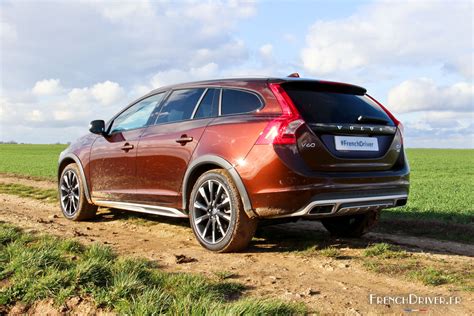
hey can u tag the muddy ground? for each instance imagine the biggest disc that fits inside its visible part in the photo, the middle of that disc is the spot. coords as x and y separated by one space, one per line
273 266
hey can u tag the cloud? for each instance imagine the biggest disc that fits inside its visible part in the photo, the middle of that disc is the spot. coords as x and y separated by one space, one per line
435 129
266 52
124 41
424 94
124 10
173 76
96 56
7 32
389 33
107 92
48 105
35 116
47 87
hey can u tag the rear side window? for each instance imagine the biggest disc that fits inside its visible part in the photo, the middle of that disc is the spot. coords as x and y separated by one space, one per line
331 107
209 105
237 101
179 106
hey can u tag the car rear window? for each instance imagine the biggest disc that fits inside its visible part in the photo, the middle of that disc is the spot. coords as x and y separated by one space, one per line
238 101
331 107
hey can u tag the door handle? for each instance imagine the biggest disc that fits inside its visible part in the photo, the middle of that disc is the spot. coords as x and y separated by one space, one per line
184 139
127 147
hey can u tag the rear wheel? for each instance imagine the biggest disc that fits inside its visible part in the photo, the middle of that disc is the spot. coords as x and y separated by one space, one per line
72 199
352 225
217 215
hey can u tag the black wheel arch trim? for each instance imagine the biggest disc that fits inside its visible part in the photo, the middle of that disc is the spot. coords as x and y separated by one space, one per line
81 170
224 164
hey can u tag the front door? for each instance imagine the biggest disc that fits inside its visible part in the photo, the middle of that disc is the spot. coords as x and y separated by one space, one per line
113 156
166 147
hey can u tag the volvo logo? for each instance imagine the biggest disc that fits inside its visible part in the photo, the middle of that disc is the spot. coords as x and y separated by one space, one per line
354 128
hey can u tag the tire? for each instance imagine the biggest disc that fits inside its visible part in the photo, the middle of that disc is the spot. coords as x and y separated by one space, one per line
218 220
72 200
352 225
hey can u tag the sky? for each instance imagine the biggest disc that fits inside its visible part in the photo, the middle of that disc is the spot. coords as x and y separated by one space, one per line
66 63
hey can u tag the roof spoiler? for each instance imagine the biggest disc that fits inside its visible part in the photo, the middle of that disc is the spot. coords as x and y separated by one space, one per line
325 86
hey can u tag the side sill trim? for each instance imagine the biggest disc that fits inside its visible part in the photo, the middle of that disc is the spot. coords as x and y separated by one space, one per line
142 208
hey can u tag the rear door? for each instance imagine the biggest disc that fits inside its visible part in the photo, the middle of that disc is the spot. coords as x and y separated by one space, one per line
166 147
347 130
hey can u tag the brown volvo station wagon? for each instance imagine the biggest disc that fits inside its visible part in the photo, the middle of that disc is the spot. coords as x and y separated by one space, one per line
227 153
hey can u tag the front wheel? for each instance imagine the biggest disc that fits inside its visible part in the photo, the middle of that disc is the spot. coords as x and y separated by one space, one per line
351 225
217 215
72 199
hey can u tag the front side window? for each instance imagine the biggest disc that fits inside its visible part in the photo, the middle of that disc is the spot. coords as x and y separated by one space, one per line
238 101
137 115
209 105
179 106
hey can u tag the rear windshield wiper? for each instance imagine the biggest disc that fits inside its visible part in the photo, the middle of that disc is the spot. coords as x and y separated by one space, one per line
371 119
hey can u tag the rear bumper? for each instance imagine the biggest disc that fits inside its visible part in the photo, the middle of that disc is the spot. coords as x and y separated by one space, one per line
346 206
277 188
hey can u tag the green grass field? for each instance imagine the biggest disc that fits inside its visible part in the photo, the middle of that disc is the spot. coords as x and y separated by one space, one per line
441 179
441 185
39 161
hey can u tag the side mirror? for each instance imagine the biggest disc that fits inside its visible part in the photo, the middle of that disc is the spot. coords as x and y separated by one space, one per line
97 127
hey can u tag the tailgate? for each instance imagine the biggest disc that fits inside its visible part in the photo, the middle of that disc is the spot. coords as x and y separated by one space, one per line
345 129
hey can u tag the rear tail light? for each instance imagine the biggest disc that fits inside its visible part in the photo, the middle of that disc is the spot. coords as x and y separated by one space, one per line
282 130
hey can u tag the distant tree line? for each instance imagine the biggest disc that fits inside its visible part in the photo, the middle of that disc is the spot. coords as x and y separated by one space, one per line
15 143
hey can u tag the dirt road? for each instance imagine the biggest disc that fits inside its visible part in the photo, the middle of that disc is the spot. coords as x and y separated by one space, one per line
273 266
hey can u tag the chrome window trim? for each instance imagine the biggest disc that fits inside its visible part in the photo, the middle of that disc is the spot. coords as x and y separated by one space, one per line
196 107
142 208
219 112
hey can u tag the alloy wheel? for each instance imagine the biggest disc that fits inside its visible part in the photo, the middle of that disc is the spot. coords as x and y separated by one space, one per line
69 188
212 211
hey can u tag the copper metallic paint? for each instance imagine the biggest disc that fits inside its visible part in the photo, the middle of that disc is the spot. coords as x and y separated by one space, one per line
278 180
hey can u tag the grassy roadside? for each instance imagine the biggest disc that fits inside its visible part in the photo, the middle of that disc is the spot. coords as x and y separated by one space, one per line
36 267
391 260
29 192
436 229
